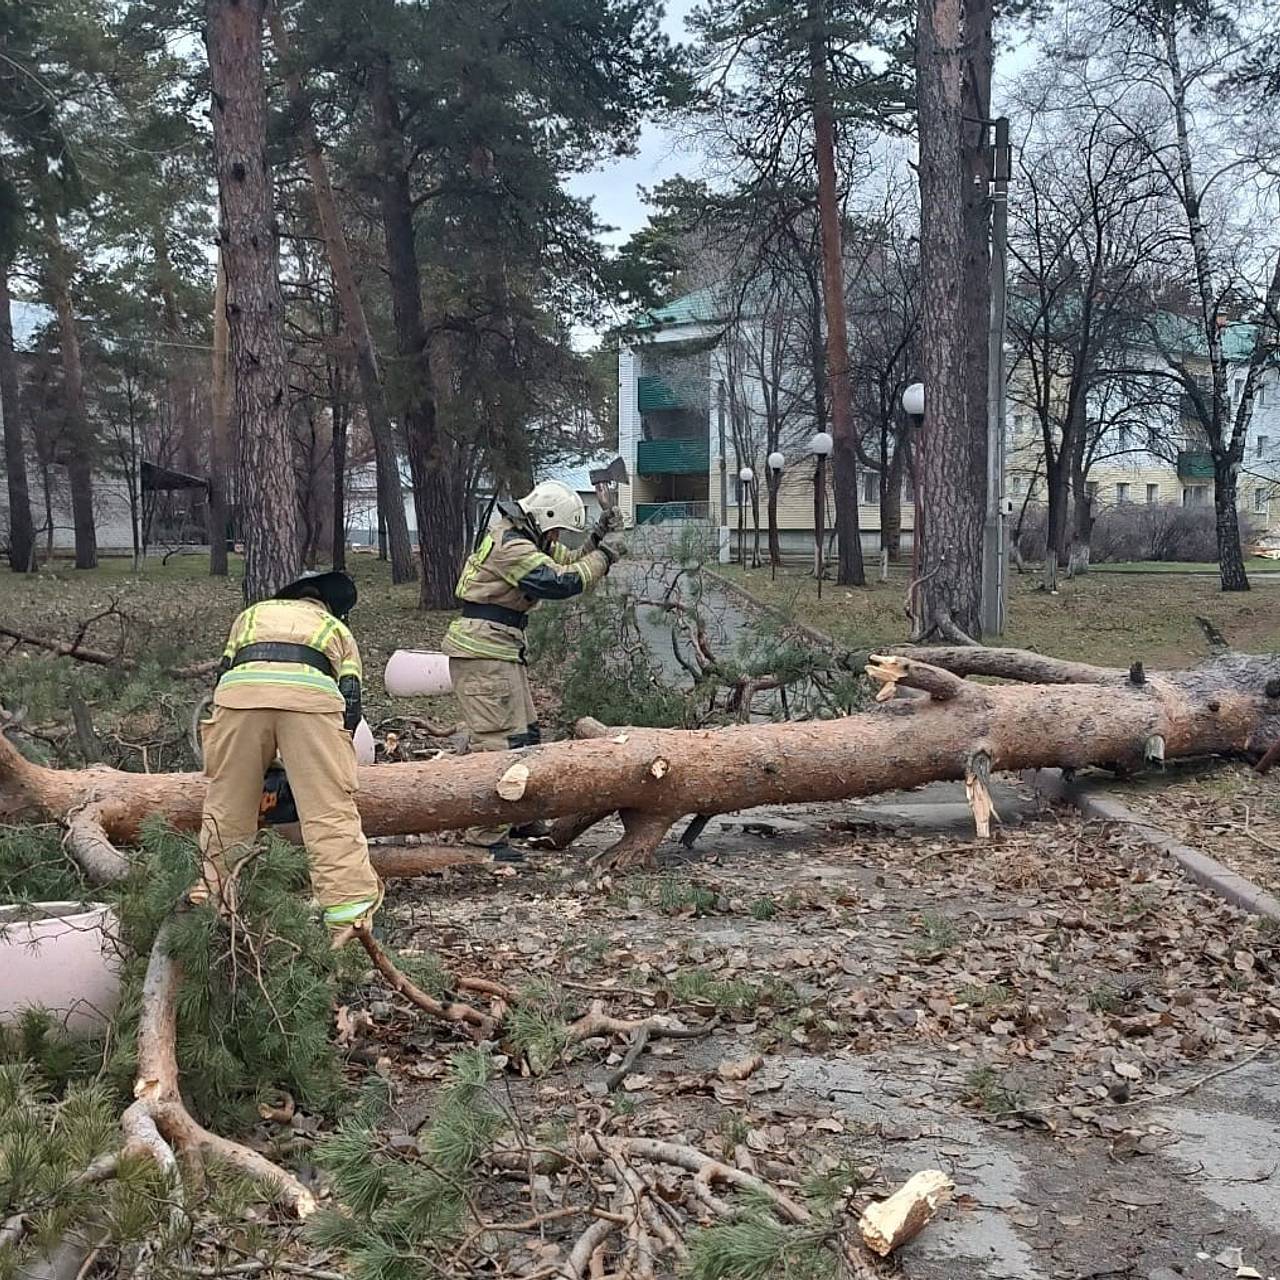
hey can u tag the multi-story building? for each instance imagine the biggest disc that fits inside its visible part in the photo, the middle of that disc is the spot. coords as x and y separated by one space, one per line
676 389
683 399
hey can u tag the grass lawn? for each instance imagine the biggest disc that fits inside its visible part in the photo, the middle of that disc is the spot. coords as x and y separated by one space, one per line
171 614
1252 564
1108 618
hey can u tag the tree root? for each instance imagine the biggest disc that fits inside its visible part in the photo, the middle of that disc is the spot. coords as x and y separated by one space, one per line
158 1123
642 833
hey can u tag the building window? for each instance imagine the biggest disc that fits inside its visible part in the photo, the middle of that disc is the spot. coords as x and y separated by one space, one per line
1015 485
1262 446
1195 495
1238 390
1126 438
1122 493
1153 439
1261 501
1153 493
870 488
1091 490
908 489
1262 393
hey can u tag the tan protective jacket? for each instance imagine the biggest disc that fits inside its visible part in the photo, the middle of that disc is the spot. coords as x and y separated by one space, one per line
503 579
288 686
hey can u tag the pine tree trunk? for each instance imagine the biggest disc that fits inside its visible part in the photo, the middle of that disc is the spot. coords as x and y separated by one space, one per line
22 531
341 420
891 505
219 429
255 306
372 392
850 570
1227 526
433 462
773 481
1070 715
951 458
78 443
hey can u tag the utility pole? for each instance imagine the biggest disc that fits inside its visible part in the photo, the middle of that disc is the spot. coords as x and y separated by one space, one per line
995 560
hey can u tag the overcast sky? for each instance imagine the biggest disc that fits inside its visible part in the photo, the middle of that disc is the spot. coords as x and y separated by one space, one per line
615 187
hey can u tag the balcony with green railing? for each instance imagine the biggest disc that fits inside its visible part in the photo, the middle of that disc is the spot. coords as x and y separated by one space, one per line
654 394
678 457
1195 464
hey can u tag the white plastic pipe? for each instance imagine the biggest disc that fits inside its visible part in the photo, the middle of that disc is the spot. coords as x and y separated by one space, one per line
414 673
59 956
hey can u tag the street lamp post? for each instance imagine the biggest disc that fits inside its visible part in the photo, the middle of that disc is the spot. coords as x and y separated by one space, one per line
913 407
776 462
745 477
820 446
994 557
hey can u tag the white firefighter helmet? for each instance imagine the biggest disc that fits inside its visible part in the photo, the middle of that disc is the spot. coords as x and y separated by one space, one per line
552 505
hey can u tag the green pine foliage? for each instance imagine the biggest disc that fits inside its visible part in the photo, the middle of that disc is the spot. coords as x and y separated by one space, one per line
34 867
254 1012
46 1144
756 1246
401 1213
590 652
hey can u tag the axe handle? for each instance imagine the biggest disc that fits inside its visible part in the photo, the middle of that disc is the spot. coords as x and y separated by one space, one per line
607 495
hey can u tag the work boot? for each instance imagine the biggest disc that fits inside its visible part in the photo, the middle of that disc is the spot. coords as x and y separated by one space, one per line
538 829
502 852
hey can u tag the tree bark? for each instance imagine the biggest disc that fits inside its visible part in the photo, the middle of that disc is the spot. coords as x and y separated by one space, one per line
1226 482
774 482
952 455
22 531
437 482
340 415
891 504
372 392
656 776
219 429
850 570
255 306
78 442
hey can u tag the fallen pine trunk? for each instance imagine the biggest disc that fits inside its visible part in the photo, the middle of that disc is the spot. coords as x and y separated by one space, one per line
653 777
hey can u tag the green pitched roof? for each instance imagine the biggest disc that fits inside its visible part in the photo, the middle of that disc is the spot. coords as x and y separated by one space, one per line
699 307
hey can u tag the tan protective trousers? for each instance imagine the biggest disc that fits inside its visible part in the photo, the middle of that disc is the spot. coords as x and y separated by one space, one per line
497 705
320 760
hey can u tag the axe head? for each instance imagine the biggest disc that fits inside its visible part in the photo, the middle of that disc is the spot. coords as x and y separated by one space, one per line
614 473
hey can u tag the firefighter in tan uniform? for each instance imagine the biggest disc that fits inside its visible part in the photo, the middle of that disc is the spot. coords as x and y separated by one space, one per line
289 687
517 563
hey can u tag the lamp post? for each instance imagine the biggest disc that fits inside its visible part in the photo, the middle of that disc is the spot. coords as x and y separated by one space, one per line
913 402
820 446
776 462
745 477
913 407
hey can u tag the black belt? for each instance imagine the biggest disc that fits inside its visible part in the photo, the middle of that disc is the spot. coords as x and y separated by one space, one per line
279 651
496 613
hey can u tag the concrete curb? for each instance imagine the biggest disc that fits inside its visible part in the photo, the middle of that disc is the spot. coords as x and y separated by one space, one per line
1201 868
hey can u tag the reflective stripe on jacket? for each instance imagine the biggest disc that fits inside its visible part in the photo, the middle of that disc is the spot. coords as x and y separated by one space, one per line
508 571
289 686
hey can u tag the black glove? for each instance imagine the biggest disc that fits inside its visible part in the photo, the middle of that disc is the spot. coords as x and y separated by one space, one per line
614 549
349 687
609 521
